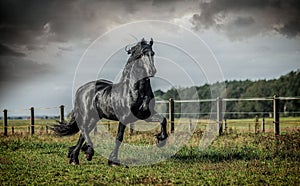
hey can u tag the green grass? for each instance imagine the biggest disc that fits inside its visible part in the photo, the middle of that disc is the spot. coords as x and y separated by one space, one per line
235 158
248 125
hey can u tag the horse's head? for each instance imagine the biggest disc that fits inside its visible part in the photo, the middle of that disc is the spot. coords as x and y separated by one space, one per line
140 62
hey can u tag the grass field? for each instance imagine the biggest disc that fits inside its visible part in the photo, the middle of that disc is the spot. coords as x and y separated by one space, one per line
235 158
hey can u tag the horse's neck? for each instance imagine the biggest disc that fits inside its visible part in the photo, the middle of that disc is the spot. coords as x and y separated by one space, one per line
135 89
125 75
131 86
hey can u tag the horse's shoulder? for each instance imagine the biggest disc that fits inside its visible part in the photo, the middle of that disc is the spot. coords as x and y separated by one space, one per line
101 83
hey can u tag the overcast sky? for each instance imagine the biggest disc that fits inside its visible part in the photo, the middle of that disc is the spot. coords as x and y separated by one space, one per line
48 48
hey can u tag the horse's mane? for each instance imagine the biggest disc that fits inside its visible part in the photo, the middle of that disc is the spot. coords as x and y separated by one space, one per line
135 52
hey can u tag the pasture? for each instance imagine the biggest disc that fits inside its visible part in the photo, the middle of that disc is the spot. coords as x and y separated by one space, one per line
237 157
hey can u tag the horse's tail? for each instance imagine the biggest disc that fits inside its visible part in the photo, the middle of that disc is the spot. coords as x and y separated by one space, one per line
66 129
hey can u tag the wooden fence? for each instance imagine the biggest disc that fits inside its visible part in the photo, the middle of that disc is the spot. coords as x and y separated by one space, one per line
31 126
219 114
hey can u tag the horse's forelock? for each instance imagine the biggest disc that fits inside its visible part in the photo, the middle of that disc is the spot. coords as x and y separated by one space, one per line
137 50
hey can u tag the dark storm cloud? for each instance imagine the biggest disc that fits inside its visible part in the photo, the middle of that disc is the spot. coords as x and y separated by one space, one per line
21 21
34 23
35 27
291 28
244 21
257 16
6 51
16 70
25 68
31 24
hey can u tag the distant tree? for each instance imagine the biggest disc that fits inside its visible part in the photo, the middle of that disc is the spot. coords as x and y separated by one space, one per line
285 86
158 93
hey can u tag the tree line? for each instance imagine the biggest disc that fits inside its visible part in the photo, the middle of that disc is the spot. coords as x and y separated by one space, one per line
285 86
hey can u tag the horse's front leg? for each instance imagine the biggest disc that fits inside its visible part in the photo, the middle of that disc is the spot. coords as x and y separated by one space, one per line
113 158
163 135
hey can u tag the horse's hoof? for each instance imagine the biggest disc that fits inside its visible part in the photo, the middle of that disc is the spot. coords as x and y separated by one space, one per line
88 157
74 162
114 163
161 141
89 153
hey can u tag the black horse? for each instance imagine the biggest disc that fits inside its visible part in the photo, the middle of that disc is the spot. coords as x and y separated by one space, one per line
129 100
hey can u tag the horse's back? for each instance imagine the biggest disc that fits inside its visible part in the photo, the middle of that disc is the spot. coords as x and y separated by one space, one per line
101 84
86 94
103 99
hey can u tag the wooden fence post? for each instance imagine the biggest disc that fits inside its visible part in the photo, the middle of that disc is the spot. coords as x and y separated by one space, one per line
263 124
225 124
276 114
191 128
12 130
32 120
62 113
171 114
131 126
219 115
108 125
249 127
5 121
256 130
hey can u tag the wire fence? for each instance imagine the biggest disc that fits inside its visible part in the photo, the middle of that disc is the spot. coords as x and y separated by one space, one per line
270 119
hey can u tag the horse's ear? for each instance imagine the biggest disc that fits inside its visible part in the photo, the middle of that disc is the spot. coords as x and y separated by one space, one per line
151 42
127 50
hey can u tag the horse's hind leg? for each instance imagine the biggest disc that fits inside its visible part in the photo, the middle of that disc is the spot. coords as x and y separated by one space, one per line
74 151
88 146
163 135
113 158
